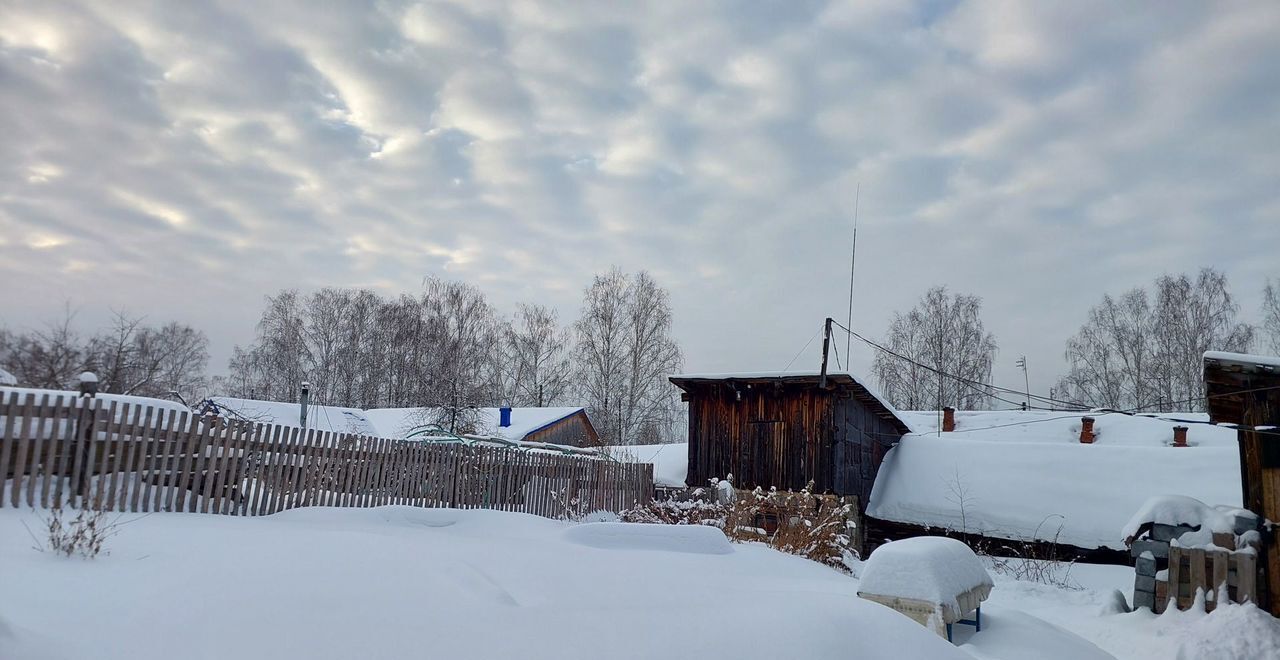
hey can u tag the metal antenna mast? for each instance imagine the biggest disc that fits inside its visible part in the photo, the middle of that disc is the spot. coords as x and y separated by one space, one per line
853 262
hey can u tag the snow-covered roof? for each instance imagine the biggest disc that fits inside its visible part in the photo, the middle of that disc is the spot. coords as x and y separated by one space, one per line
670 462
396 422
106 400
324 418
1268 362
1062 427
7 378
1023 475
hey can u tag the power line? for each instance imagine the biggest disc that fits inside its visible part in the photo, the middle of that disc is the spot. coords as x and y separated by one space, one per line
960 379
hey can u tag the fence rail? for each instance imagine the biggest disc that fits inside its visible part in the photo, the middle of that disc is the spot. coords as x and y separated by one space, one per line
83 452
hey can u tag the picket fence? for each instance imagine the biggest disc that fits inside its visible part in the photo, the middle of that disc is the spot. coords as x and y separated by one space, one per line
59 450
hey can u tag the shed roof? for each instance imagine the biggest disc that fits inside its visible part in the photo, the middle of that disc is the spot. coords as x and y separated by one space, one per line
861 392
1229 377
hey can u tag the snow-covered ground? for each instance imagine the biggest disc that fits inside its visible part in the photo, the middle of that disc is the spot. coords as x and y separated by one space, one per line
399 582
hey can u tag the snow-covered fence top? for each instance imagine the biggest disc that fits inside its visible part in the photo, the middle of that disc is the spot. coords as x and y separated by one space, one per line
127 457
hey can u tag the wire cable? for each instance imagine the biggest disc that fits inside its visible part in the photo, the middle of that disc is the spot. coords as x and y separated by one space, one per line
802 350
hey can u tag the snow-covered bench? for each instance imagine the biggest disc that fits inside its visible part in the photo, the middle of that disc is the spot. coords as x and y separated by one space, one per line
932 579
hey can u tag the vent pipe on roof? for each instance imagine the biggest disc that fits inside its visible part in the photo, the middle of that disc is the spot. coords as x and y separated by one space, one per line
1180 436
504 417
303 400
1086 430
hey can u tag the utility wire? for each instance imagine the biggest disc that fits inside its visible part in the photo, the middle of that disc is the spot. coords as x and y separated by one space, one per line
802 350
960 379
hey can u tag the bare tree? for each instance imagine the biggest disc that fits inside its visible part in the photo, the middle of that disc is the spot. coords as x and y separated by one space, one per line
942 333
1112 358
624 353
536 365
1271 318
1144 352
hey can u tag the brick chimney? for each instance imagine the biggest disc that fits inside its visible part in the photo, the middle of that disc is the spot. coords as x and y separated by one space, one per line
1179 436
1086 430
948 419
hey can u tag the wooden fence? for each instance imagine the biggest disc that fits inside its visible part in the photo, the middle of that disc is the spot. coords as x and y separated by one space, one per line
83 452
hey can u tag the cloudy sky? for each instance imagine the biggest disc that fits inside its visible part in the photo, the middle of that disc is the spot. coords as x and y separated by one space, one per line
181 160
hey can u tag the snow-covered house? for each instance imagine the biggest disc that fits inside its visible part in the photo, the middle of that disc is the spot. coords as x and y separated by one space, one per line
566 426
1027 475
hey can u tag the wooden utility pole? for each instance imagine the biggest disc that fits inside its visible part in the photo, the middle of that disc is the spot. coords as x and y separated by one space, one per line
826 344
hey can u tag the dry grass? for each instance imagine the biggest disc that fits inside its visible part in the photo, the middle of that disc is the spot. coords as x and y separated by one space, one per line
85 535
799 523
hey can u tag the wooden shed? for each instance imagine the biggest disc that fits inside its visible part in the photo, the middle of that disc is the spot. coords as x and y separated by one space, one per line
1245 390
784 429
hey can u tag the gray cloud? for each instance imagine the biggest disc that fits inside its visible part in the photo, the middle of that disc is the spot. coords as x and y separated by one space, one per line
181 160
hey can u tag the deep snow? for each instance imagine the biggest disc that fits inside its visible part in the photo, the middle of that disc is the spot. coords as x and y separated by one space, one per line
401 582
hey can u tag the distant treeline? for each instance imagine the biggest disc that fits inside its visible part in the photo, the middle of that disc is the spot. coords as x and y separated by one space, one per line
1141 351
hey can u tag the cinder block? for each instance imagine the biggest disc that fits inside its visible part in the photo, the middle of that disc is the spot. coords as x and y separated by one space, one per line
1145 599
1158 549
1166 533
1245 524
1145 566
1145 583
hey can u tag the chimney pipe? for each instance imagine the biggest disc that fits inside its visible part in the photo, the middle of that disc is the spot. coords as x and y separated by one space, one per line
1180 436
1086 430
948 419
504 417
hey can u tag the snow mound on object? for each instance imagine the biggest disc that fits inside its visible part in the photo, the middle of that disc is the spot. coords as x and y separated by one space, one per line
694 539
1232 632
934 569
1183 510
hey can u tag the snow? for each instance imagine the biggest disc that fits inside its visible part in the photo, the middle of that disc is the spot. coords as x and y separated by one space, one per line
1034 638
161 405
1183 510
1016 484
1058 427
696 539
398 422
7 378
323 418
670 462
1243 358
399 582
933 569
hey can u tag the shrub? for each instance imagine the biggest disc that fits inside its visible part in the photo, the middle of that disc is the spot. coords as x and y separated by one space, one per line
799 523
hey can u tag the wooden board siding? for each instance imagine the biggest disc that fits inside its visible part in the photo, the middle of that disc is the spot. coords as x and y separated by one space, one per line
1249 395
783 434
573 431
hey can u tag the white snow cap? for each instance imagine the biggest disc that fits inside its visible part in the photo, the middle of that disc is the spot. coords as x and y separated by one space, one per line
1243 358
934 569
7 378
1183 510
88 377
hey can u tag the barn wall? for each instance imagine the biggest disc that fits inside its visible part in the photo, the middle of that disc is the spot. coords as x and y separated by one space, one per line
784 437
574 431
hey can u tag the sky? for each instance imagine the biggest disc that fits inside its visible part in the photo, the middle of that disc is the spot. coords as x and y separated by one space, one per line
183 160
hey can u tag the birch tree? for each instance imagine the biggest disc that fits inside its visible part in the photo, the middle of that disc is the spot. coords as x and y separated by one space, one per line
943 332
536 357
624 353
1271 318
1145 351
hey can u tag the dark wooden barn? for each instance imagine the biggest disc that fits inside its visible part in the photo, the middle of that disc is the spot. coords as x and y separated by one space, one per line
1245 390
785 429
